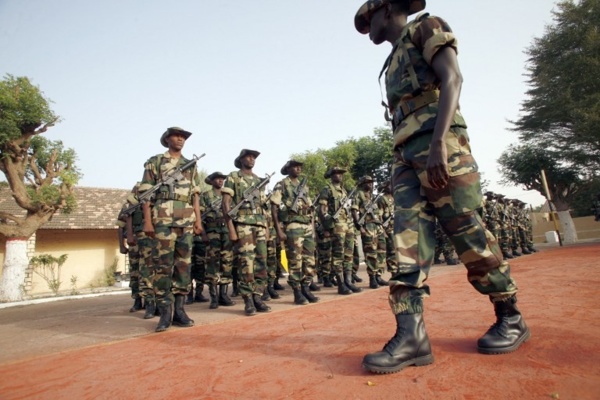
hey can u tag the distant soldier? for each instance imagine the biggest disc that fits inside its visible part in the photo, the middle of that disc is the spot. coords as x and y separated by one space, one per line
173 219
386 203
270 292
505 239
596 208
248 229
368 219
220 248
443 247
291 201
335 218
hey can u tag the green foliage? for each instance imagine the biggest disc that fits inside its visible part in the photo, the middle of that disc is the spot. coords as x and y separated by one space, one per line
74 290
23 107
562 112
109 273
374 155
49 268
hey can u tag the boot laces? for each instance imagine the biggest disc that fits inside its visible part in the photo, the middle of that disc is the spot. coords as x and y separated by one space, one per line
395 340
500 327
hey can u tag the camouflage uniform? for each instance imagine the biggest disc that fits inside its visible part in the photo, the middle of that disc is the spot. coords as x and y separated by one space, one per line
220 248
324 255
251 227
373 239
505 238
386 203
443 246
300 243
417 203
173 219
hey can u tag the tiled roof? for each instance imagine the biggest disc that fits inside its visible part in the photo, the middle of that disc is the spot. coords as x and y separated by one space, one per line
97 208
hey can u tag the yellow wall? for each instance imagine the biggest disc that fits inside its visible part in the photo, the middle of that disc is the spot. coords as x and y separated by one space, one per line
586 228
89 253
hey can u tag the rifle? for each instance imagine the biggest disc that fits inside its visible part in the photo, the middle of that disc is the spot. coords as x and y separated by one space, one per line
214 206
249 195
300 193
387 221
369 208
169 178
345 204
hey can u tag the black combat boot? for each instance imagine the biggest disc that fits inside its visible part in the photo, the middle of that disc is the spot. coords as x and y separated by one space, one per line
212 292
507 255
380 280
235 292
509 331
515 253
327 281
299 296
180 318
166 314
189 299
525 250
199 297
277 285
333 278
137 304
451 261
224 300
249 308
356 278
373 282
265 296
348 282
314 287
409 346
306 291
271 290
150 309
532 249
342 288
436 261
260 306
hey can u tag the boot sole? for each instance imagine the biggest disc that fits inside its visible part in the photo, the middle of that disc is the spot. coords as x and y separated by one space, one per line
504 350
417 362
182 325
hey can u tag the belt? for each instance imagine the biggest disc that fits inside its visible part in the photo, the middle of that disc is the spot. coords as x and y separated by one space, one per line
174 196
306 211
214 224
405 108
249 211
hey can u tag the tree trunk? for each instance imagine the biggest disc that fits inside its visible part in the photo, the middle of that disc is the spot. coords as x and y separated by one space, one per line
567 227
13 274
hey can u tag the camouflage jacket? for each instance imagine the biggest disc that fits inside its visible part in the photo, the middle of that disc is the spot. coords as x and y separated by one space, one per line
491 212
362 200
386 204
332 196
284 195
171 209
409 74
252 212
210 205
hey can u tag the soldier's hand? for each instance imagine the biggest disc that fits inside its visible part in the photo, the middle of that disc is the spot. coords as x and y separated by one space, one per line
282 237
149 229
437 166
198 227
123 250
363 232
204 236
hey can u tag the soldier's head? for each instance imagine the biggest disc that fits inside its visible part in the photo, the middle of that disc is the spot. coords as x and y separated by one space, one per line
246 159
489 195
500 198
376 17
292 168
385 187
216 179
174 137
335 174
366 183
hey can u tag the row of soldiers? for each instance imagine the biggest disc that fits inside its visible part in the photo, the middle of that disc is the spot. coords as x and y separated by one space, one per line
509 221
229 234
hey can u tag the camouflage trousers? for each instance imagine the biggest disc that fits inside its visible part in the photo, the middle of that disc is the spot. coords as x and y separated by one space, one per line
198 267
147 258
505 237
342 246
251 253
171 272
220 257
390 250
443 245
272 255
300 251
417 205
373 243
133 253
324 253
356 252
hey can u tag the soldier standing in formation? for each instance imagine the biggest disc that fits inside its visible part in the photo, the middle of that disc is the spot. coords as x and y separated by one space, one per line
220 248
423 82
368 219
386 203
292 212
172 219
335 220
248 230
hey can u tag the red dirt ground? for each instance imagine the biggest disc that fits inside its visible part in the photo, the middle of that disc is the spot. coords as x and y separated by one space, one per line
315 351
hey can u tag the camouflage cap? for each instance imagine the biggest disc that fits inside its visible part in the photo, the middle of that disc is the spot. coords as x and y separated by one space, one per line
332 171
489 193
289 164
244 153
172 130
213 176
362 19
365 179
